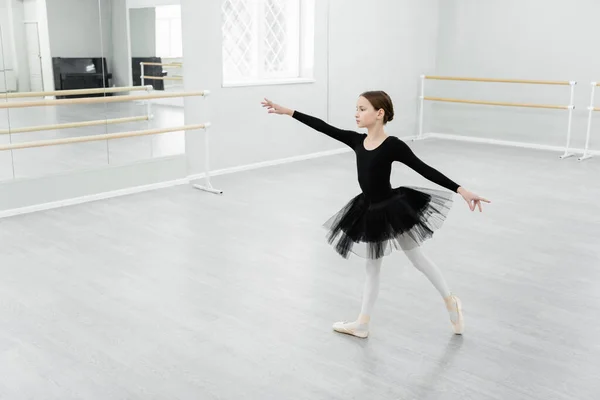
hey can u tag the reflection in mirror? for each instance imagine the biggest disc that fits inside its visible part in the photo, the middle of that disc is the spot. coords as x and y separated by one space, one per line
6 85
56 49
156 47
56 46
124 116
147 53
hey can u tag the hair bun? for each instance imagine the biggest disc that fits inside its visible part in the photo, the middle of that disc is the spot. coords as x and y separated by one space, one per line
380 100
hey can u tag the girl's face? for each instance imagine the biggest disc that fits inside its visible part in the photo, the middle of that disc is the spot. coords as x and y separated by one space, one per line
366 115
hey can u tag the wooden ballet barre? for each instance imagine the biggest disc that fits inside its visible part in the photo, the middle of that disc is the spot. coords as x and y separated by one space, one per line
570 107
77 92
496 103
162 64
107 136
104 99
527 81
165 78
73 125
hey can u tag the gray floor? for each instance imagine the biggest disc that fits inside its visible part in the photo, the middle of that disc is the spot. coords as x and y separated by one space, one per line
56 159
182 294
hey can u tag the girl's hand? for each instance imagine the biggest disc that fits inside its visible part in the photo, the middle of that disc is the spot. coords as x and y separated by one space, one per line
276 108
472 199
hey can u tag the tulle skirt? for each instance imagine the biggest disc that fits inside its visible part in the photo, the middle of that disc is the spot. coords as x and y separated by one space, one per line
403 221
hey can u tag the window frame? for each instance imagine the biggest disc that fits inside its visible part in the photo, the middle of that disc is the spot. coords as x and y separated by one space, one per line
304 48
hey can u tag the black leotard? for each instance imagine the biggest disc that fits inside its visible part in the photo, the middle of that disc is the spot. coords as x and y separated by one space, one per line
374 166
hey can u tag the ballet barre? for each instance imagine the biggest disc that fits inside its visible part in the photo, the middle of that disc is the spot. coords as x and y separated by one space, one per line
496 103
570 107
495 80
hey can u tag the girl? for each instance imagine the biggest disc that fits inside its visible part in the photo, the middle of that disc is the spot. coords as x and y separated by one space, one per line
382 218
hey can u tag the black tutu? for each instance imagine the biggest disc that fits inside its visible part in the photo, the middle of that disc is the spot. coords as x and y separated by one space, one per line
403 221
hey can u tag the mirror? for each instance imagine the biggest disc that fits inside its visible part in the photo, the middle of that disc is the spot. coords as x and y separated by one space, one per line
156 47
56 45
155 59
88 44
6 85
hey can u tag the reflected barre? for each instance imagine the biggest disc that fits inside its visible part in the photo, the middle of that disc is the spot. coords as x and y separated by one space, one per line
96 100
162 64
164 78
108 136
570 107
143 75
83 124
72 92
94 138
112 121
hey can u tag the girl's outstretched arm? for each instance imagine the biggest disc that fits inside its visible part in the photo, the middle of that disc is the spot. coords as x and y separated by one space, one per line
347 137
405 155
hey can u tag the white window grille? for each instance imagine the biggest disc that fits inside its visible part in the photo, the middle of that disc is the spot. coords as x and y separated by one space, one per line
263 40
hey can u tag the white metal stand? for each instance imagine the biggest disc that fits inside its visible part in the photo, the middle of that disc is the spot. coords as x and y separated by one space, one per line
149 115
207 187
585 154
568 154
421 106
149 108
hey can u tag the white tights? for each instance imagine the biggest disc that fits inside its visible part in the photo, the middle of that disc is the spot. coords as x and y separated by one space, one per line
371 287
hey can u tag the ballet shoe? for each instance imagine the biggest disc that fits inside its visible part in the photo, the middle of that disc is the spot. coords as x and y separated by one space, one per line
351 328
454 307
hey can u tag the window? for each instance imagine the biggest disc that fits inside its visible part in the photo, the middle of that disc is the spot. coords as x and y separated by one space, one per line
169 43
267 41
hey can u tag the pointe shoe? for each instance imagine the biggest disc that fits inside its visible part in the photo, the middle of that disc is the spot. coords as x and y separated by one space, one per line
350 328
454 307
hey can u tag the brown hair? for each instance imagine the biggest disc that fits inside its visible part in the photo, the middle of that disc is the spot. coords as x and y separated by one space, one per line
381 100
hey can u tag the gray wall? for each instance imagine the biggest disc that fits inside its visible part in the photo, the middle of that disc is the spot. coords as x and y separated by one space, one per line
120 64
389 55
142 28
11 25
18 12
242 132
552 39
75 28
6 59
